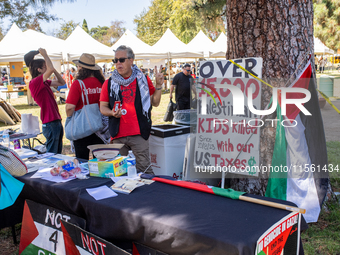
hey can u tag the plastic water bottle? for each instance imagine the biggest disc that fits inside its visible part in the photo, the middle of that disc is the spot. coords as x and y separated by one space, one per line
5 138
131 162
131 155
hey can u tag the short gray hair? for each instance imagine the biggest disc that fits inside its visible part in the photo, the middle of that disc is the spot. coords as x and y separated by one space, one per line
128 50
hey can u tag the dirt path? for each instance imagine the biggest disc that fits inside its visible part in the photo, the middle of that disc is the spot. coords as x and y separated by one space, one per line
331 121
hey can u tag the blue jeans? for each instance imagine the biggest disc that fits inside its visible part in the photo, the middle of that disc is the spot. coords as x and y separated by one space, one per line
53 132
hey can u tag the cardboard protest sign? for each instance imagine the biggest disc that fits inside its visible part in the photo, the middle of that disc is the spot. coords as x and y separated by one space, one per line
282 238
228 98
41 229
79 241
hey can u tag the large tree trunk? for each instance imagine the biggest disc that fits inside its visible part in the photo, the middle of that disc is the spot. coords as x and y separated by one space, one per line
281 32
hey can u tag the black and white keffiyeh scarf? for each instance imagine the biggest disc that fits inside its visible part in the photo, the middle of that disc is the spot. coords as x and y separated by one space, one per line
117 80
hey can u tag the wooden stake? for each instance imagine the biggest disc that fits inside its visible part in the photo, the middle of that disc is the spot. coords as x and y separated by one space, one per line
272 204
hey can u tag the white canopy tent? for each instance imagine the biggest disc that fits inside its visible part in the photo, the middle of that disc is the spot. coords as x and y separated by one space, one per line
54 46
220 47
169 46
80 42
15 45
320 48
200 43
137 45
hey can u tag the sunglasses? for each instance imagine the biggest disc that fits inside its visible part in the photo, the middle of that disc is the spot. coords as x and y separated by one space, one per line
121 60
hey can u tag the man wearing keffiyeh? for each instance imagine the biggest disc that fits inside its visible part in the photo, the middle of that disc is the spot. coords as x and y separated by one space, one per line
131 123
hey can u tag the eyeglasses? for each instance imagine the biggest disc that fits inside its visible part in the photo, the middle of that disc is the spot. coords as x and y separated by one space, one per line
188 70
121 60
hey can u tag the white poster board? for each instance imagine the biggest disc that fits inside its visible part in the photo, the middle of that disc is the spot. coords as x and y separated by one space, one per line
225 121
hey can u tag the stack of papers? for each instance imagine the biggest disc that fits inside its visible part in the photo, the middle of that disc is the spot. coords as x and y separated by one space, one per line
127 185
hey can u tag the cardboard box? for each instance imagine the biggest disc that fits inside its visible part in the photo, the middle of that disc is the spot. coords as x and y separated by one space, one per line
109 168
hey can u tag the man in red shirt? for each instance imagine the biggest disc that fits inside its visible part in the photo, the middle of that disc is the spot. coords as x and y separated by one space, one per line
131 123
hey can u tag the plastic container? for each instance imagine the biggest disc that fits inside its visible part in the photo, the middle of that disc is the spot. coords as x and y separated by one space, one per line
131 168
131 155
5 138
326 85
186 118
131 165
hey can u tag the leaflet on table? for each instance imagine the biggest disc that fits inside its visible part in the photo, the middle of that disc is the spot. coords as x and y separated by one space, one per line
101 192
137 178
126 185
47 161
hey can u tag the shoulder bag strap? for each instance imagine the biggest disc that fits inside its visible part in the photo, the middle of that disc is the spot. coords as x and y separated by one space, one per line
83 89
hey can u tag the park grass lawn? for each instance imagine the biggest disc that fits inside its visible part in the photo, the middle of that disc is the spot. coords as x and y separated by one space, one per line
321 238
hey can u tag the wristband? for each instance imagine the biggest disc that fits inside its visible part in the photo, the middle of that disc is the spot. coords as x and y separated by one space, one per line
159 88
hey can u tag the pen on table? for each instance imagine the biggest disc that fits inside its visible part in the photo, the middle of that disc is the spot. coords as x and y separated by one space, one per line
146 169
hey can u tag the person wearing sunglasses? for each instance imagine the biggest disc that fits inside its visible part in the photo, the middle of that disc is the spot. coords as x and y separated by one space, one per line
127 98
184 84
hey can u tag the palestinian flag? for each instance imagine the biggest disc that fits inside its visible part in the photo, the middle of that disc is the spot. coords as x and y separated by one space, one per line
301 146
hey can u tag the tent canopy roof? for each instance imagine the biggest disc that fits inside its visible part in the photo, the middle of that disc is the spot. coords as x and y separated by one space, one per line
132 41
15 45
220 47
169 46
80 42
54 46
201 42
320 48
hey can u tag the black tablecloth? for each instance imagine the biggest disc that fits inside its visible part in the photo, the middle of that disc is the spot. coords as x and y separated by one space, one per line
172 219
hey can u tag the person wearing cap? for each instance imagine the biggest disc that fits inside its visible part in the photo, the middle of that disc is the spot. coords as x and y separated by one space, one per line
130 124
184 84
41 70
93 78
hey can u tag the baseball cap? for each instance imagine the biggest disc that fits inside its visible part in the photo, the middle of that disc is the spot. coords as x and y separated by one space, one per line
30 56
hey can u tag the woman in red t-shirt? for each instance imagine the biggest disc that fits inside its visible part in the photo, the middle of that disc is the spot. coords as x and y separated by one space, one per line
41 70
91 75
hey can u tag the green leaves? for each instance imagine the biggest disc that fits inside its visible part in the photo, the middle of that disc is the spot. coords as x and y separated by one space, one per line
20 12
183 17
66 29
327 22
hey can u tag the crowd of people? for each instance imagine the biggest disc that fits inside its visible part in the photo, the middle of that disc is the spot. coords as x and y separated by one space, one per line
134 89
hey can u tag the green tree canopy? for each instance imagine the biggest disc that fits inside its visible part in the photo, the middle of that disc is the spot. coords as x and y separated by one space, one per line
327 22
115 31
19 11
66 29
152 23
84 26
108 35
182 17
99 32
